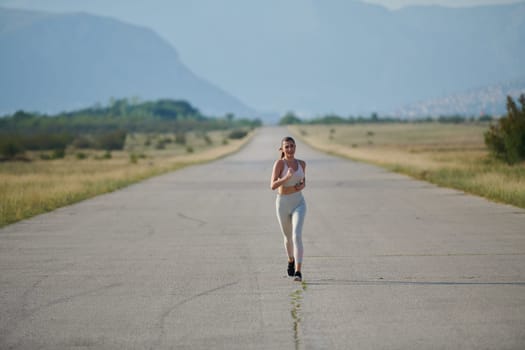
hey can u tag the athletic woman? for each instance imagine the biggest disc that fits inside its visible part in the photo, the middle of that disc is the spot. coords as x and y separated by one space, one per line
288 177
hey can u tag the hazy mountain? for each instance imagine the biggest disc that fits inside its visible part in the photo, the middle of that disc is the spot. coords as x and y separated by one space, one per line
310 56
489 100
348 57
51 63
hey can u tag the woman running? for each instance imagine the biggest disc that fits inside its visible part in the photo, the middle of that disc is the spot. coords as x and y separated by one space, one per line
288 176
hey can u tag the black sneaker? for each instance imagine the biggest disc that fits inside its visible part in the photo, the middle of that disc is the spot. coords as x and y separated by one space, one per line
291 268
298 277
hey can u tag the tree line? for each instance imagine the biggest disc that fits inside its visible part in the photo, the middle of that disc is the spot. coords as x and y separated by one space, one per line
106 127
291 118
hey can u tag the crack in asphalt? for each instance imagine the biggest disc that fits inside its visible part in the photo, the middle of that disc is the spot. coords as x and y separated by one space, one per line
30 312
70 297
201 222
168 311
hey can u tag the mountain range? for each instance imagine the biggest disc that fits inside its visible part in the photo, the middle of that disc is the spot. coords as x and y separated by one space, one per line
309 56
344 56
55 62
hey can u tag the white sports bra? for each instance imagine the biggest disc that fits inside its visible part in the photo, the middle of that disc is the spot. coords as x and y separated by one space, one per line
297 176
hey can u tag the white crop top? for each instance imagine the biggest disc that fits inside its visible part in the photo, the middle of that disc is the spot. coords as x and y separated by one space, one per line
297 176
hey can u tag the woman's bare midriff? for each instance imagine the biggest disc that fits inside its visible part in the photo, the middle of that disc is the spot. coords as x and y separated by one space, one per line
288 190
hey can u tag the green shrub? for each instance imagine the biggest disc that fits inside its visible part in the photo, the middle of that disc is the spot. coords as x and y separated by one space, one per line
10 148
506 139
237 134
81 155
82 142
160 145
106 155
58 153
114 140
180 138
134 157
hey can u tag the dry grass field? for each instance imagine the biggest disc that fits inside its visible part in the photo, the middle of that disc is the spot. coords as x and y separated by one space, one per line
449 155
37 186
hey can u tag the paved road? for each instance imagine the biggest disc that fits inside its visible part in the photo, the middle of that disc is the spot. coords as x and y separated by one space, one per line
194 260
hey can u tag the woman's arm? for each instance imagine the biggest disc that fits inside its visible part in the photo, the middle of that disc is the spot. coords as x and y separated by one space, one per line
276 182
302 184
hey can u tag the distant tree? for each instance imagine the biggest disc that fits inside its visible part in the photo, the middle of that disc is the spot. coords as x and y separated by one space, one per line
230 117
21 116
135 100
329 119
485 118
290 118
454 119
506 139
119 107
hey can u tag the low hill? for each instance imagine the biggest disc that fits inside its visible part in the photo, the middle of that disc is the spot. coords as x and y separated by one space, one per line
488 100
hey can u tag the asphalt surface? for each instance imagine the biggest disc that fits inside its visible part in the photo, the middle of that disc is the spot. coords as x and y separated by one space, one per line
195 260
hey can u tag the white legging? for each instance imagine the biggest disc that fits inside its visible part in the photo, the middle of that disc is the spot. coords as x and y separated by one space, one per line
291 209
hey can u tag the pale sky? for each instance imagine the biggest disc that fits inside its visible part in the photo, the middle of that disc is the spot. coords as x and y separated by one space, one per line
395 4
391 4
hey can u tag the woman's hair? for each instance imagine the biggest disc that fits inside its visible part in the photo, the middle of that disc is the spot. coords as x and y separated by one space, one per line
285 139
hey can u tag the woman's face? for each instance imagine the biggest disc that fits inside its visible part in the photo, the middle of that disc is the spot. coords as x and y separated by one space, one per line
288 148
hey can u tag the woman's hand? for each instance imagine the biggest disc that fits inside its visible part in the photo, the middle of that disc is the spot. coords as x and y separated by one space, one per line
300 185
289 173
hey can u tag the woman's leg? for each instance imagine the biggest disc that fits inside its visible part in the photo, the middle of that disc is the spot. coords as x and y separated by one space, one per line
297 224
285 222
